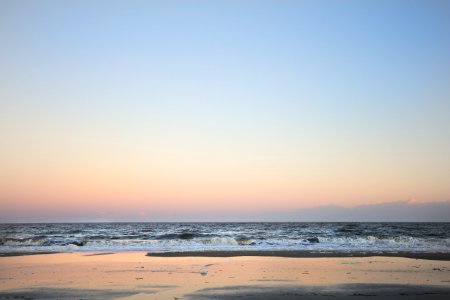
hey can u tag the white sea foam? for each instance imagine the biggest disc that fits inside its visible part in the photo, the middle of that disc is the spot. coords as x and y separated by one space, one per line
416 237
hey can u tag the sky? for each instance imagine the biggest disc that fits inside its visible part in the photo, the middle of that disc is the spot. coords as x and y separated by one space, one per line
154 108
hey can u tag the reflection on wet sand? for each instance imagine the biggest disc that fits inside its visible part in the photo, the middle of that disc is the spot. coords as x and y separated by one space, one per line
132 275
341 291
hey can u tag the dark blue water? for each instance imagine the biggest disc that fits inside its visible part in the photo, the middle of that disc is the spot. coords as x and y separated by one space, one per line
413 237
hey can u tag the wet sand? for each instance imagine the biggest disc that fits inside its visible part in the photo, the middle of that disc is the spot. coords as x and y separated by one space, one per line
303 254
133 275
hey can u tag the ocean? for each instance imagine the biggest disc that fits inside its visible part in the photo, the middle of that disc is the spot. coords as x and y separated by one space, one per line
179 237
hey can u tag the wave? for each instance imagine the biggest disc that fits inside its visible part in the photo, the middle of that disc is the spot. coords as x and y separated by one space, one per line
233 236
181 236
230 243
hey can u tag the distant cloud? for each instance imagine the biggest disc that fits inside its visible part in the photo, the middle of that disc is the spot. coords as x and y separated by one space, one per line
400 211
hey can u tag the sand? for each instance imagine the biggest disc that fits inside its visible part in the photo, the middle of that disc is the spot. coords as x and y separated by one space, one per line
304 254
133 275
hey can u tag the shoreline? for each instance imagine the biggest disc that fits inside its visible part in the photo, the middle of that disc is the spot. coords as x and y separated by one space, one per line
258 253
302 254
11 254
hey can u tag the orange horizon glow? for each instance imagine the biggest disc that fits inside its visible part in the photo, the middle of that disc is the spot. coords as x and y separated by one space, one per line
153 108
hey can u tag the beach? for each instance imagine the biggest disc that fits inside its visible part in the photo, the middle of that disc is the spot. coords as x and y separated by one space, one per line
226 150
136 275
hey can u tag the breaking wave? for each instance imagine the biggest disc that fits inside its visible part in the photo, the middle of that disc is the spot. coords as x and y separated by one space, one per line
412 237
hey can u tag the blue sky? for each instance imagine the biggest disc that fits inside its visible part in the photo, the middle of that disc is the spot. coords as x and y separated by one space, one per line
320 102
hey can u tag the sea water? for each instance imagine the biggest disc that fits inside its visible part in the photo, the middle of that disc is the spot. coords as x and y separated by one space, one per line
175 237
